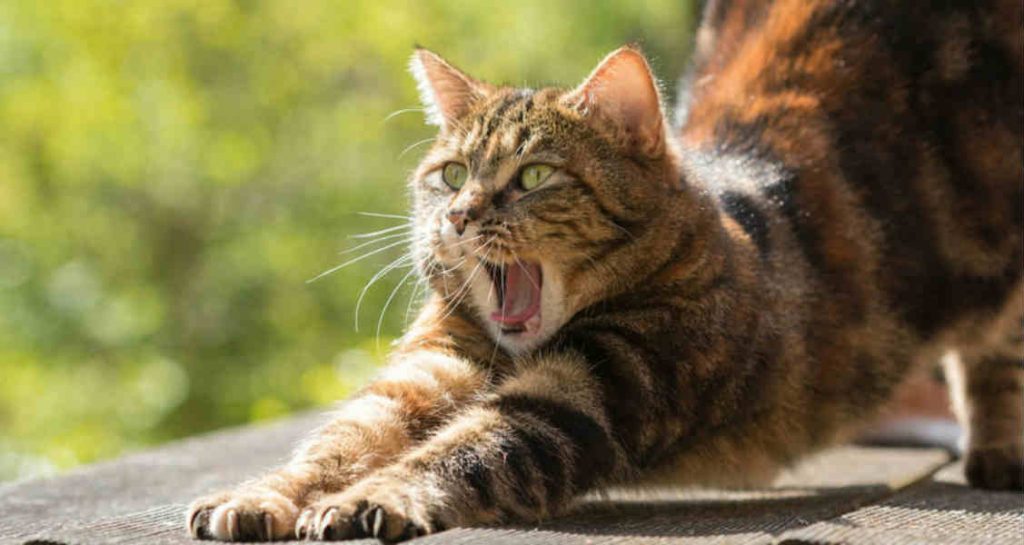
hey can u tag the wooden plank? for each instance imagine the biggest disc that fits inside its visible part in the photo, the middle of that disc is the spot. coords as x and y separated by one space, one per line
142 497
147 492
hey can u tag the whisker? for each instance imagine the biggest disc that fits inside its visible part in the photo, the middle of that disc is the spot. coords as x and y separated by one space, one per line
355 260
444 281
461 242
397 263
376 241
466 287
501 331
402 111
381 232
412 146
460 293
420 284
487 248
463 293
379 215
445 272
387 303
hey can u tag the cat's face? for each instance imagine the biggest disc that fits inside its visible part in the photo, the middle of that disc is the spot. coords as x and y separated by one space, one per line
525 192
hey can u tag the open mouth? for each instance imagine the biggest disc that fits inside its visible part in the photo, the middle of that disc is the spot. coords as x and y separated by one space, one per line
518 286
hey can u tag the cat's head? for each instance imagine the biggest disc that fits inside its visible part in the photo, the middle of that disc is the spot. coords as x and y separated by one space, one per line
527 206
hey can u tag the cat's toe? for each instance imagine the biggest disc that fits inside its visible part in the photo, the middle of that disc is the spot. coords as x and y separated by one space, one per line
995 468
242 516
392 524
390 515
331 519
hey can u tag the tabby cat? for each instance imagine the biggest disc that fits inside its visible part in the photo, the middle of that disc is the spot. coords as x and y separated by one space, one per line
616 297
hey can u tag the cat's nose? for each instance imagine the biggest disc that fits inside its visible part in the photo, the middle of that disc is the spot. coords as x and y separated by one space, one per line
467 206
459 217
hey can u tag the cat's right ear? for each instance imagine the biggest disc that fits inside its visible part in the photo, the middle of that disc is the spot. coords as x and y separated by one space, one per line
447 93
623 92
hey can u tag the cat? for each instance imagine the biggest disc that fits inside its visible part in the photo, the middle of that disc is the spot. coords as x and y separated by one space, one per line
616 297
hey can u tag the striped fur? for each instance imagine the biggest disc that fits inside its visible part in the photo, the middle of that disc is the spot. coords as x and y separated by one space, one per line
840 202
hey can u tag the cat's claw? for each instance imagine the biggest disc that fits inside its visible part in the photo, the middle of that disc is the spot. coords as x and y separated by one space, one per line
327 524
268 524
232 523
193 529
302 525
373 521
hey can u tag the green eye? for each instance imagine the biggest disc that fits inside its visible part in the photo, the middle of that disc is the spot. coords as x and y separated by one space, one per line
534 175
454 174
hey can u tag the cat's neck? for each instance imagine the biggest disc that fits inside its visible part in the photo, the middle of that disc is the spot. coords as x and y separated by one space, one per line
693 242
681 242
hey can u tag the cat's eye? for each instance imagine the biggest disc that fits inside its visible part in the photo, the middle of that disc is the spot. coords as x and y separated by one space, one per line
454 174
534 175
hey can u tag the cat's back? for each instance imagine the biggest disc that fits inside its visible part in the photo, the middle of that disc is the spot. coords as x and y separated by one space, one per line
897 130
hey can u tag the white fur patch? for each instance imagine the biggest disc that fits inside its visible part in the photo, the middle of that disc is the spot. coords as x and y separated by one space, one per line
426 90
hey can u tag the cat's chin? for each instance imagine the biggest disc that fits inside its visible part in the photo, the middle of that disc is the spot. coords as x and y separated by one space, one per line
522 338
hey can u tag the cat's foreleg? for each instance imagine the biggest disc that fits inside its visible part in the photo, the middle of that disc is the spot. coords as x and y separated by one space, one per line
414 395
540 440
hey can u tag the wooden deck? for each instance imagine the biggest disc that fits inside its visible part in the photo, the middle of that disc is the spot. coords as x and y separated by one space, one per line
847 495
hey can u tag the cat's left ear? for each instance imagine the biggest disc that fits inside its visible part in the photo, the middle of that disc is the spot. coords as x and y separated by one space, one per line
446 92
622 90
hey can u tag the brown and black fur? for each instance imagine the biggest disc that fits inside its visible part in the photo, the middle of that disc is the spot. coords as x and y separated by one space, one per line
880 145
841 201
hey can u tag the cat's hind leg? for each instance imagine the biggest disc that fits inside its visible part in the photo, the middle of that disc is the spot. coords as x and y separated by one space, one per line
987 386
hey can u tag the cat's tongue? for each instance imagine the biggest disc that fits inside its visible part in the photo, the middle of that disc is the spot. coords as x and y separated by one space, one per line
519 288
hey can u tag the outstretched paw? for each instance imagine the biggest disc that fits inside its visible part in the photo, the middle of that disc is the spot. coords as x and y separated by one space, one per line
244 515
386 509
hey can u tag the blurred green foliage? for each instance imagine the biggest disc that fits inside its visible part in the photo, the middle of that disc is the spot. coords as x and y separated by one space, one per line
172 172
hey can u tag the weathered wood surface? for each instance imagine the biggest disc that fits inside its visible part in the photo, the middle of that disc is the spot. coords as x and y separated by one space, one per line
846 495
